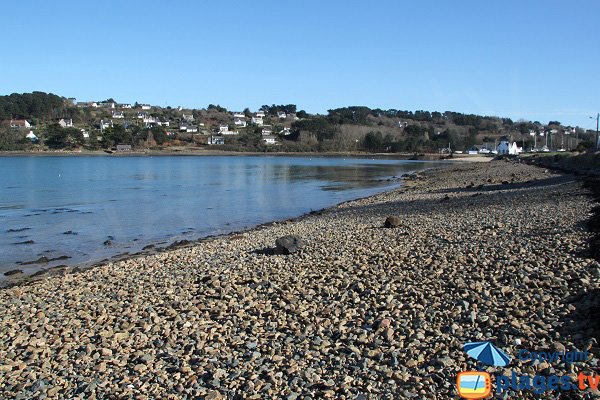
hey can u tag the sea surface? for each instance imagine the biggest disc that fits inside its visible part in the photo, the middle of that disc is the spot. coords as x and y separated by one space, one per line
83 210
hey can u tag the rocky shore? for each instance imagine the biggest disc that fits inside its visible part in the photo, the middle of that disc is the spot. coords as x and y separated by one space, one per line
492 251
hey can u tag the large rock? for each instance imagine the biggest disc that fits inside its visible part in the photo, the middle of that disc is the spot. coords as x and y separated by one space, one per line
392 222
288 244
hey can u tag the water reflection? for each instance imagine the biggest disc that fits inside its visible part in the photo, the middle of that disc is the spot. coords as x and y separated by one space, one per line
91 208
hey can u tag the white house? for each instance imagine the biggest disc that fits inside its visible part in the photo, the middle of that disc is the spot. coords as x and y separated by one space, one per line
31 136
223 128
125 106
192 129
145 106
239 115
260 114
105 124
188 117
183 127
267 130
85 134
212 140
149 119
118 114
257 120
65 122
142 114
19 124
106 104
505 147
281 115
285 131
269 139
228 132
239 122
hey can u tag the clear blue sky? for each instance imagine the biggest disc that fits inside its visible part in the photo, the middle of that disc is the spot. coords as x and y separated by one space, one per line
537 60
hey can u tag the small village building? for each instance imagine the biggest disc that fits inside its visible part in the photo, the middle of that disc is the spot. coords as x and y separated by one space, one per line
505 147
65 122
19 124
31 136
267 130
123 147
270 140
118 114
285 131
145 106
188 117
281 115
104 124
240 122
125 106
216 140
257 121
260 114
223 128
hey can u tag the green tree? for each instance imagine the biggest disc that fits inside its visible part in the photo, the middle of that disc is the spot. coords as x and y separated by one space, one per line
58 138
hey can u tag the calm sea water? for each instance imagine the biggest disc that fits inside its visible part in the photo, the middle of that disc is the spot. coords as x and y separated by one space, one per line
57 207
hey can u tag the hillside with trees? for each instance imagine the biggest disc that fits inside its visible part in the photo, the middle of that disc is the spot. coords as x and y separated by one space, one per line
58 123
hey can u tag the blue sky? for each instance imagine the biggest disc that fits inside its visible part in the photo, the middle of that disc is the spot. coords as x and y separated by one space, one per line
537 60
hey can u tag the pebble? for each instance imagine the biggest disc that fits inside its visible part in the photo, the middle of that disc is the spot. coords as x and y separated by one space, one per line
359 312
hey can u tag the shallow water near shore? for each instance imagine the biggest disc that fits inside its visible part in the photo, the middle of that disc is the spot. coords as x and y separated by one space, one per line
81 210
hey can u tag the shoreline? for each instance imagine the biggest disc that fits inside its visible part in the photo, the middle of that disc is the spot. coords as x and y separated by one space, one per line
488 251
170 245
203 152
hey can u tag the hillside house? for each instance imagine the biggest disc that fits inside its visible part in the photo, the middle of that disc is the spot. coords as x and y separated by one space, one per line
267 130
145 106
223 128
125 106
106 104
19 124
31 136
257 121
281 115
188 117
142 114
104 124
86 104
85 134
123 147
285 131
260 114
65 122
240 122
239 115
118 114
216 140
269 140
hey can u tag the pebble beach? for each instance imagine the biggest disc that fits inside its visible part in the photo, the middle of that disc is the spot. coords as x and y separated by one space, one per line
482 251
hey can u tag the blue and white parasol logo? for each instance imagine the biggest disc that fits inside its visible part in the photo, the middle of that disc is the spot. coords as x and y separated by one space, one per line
487 353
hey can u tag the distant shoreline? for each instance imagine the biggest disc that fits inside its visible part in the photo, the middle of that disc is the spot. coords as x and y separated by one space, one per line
187 152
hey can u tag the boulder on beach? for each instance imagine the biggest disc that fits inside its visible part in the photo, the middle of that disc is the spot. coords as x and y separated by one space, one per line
288 244
392 222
